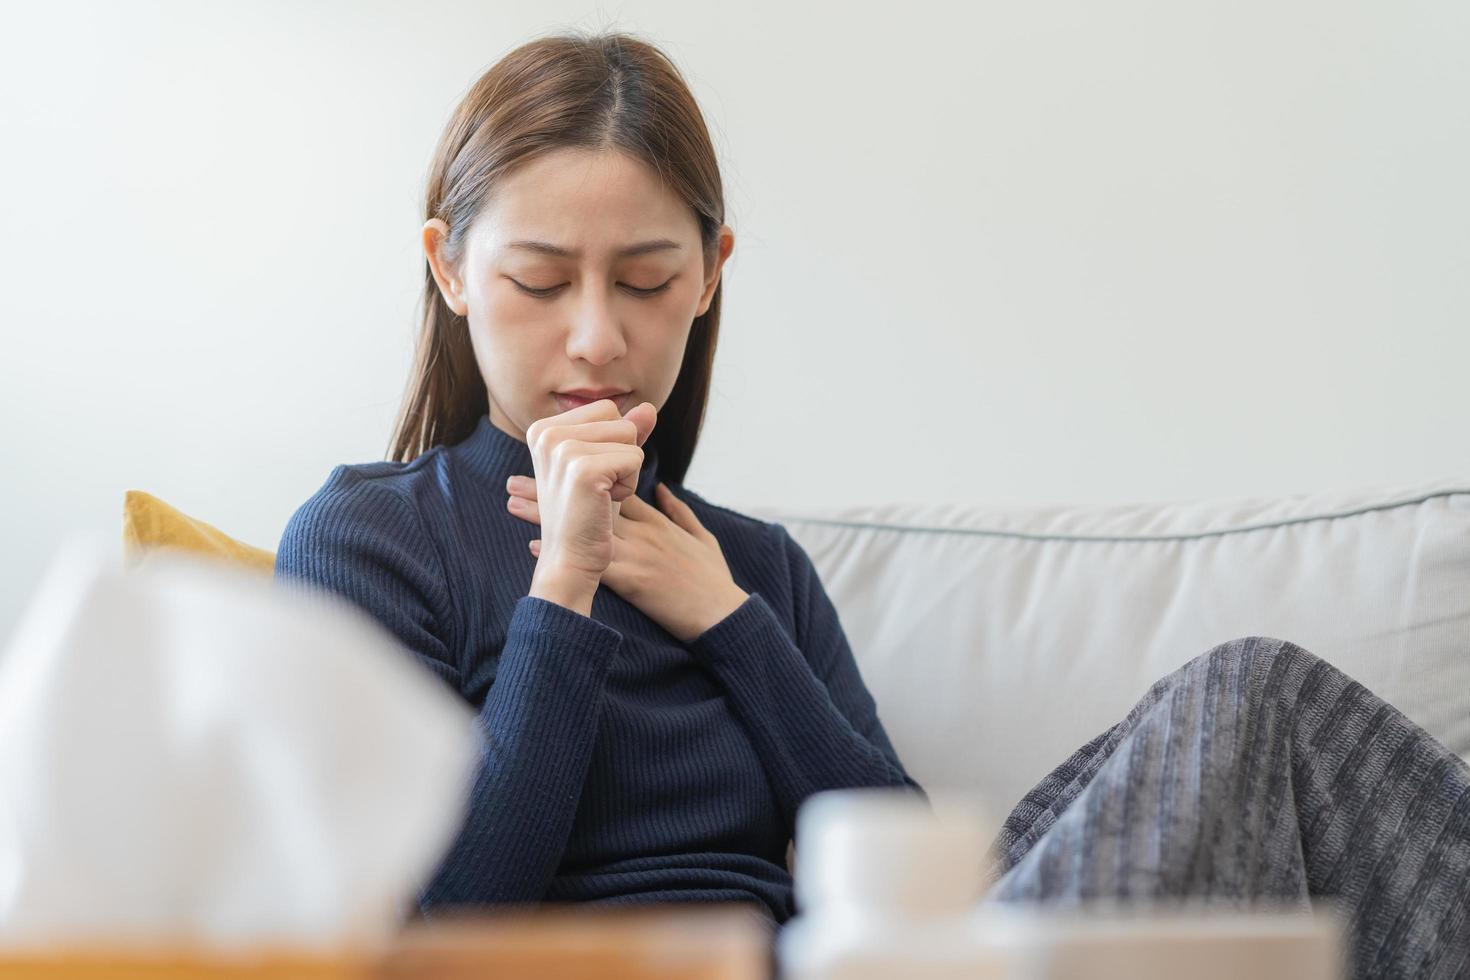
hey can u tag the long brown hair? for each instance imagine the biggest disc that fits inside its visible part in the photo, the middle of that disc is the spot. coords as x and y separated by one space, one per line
573 89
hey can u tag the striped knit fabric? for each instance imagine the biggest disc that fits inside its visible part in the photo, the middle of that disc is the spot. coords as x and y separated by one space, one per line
1258 771
619 765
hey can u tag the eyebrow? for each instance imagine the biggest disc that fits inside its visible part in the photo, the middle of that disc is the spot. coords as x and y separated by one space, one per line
641 248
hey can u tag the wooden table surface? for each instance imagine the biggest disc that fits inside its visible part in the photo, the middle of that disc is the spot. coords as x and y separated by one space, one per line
549 942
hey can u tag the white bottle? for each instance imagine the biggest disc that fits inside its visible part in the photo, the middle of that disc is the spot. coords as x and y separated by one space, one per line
886 886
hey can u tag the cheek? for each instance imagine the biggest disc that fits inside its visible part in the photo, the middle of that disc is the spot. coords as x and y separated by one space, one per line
505 306
512 349
508 319
663 340
517 353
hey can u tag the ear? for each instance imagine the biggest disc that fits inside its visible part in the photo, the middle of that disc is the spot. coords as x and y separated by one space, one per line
435 233
712 278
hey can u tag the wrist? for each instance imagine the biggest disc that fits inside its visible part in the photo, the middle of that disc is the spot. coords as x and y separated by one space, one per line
564 587
730 602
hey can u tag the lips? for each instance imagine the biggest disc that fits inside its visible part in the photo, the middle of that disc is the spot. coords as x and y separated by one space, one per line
570 401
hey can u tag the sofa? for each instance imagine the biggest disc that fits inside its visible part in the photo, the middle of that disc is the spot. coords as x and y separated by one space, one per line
996 640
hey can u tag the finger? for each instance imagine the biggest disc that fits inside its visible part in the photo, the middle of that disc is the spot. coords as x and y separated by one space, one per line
643 416
635 508
624 471
593 424
536 547
645 419
626 528
645 514
615 431
680 513
603 408
526 510
524 486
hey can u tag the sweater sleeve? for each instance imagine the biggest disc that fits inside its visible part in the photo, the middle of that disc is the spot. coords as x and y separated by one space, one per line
365 541
802 698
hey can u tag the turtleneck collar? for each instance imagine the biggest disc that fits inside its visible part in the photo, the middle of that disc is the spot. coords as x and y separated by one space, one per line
498 455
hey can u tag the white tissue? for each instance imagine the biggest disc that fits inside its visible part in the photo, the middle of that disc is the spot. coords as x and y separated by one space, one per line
190 751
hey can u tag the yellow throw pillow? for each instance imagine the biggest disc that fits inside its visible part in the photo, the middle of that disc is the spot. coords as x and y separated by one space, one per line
150 523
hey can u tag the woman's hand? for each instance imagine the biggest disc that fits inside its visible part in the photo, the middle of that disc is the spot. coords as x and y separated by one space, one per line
587 462
664 562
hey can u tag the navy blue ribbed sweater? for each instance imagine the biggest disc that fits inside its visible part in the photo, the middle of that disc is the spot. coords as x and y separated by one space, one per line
618 765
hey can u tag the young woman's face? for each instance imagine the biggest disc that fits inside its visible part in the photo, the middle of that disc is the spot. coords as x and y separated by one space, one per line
602 319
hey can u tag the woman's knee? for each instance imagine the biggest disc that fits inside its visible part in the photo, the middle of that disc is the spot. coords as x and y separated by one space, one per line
1257 655
1246 689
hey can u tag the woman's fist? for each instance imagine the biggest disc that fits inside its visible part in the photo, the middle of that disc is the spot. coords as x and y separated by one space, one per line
587 461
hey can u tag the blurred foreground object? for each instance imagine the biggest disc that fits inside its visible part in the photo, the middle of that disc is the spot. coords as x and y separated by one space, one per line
191 752
1160 942
546 943
889 885
567 942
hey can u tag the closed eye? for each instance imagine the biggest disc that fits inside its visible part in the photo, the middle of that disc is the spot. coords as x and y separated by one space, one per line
553 290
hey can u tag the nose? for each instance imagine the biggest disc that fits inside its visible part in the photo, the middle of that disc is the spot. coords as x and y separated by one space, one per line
595 335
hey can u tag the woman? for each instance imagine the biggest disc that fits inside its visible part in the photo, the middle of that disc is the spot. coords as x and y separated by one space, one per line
649 739
662 681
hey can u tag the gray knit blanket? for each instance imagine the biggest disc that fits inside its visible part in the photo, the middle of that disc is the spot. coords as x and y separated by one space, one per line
1259 773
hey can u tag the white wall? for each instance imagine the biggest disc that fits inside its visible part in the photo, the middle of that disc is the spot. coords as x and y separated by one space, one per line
1010 252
